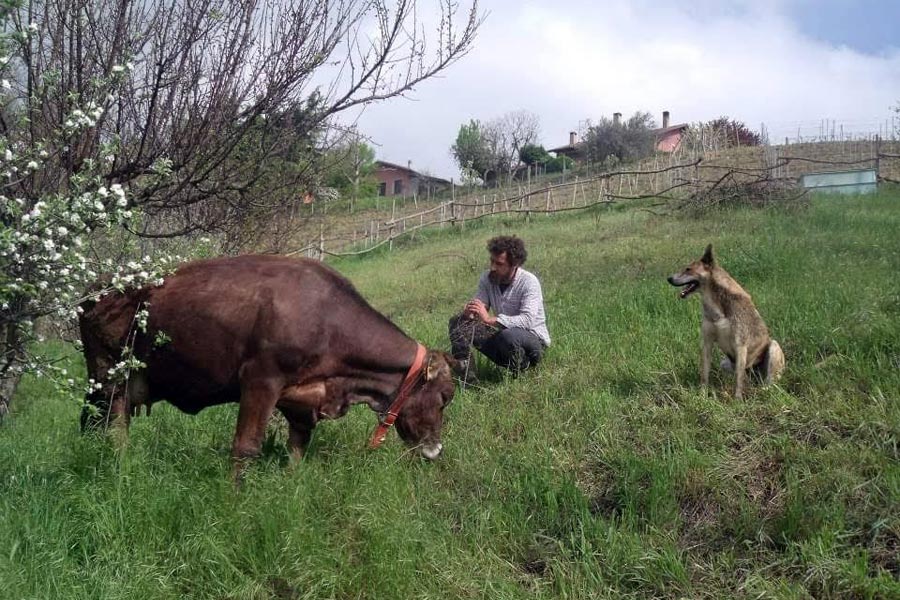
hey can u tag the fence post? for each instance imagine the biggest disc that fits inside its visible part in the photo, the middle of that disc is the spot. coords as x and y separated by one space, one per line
877 158
322 241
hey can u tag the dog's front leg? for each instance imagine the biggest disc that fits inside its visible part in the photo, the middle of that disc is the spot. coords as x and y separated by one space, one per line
740 371
709 333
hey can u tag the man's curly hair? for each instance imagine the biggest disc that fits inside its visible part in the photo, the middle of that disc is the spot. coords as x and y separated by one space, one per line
513 246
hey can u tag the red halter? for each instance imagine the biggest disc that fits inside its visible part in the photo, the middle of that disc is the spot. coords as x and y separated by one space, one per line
402 396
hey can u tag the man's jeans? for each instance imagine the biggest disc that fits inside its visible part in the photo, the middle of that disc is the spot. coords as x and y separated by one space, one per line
513 348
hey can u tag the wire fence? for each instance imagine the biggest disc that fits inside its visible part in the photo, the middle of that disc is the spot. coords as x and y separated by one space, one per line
676 177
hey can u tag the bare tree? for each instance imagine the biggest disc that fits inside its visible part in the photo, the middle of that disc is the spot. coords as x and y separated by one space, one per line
718 134
209 113
506 135
197 131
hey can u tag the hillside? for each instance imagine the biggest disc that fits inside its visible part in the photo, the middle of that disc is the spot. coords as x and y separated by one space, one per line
606 473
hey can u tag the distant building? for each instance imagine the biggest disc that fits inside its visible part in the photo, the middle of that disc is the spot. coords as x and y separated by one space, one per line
668 139
574 149
397 180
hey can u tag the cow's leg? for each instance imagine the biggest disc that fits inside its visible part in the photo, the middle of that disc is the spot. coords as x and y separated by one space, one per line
301 423
119 417
108 409
258 398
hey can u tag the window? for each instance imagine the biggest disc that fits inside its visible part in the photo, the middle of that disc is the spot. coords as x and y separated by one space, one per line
398 187
382 188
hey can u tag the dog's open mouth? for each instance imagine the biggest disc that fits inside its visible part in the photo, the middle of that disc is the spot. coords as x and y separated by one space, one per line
688 285
688 289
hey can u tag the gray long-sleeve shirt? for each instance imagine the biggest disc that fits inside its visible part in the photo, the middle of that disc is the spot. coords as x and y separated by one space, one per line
521 305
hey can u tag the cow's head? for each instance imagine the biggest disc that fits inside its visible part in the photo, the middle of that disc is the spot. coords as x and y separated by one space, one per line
419 423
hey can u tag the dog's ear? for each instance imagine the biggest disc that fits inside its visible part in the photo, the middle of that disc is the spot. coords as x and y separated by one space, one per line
707 258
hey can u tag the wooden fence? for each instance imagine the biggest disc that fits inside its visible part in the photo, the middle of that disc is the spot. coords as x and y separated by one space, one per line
672 182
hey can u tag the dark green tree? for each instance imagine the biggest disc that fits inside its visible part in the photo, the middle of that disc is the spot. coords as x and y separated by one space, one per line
533 154
472 151
631 140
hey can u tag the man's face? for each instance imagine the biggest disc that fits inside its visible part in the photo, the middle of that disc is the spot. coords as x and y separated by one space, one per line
502 272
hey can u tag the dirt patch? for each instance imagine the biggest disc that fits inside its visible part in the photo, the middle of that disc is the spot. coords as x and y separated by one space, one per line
884 552
605 504
699 512
535 561
760 474
282 590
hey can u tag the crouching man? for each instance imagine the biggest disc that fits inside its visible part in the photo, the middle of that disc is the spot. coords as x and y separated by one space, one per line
505 320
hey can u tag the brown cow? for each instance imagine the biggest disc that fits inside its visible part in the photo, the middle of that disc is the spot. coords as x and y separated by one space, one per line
267 332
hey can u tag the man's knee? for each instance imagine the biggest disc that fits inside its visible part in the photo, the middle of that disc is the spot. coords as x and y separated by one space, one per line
520 347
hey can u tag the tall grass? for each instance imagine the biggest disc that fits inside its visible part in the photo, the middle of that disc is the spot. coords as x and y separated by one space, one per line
606 473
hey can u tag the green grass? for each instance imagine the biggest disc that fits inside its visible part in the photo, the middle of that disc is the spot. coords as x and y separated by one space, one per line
606 473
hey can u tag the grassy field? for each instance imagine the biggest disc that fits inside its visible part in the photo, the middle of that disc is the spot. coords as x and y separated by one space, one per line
606 473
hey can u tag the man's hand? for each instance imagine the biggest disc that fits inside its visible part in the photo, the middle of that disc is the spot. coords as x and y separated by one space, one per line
476 309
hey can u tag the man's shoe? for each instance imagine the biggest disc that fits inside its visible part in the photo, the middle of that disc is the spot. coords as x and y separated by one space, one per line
465 371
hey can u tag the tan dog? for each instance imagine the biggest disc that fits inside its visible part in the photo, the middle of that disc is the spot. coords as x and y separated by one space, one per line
731 321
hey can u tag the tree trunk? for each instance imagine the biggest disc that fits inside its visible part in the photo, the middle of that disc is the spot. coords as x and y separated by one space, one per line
10 358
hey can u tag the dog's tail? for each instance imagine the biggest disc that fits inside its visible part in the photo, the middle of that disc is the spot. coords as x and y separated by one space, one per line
774 362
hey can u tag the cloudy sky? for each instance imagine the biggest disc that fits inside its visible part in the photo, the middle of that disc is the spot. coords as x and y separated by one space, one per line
787 63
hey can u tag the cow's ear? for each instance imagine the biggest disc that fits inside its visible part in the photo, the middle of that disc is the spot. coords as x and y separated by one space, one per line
435 365
707 258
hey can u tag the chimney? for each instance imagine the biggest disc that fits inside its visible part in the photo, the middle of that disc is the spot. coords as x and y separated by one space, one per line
617 118
409 165
573 138
665 119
